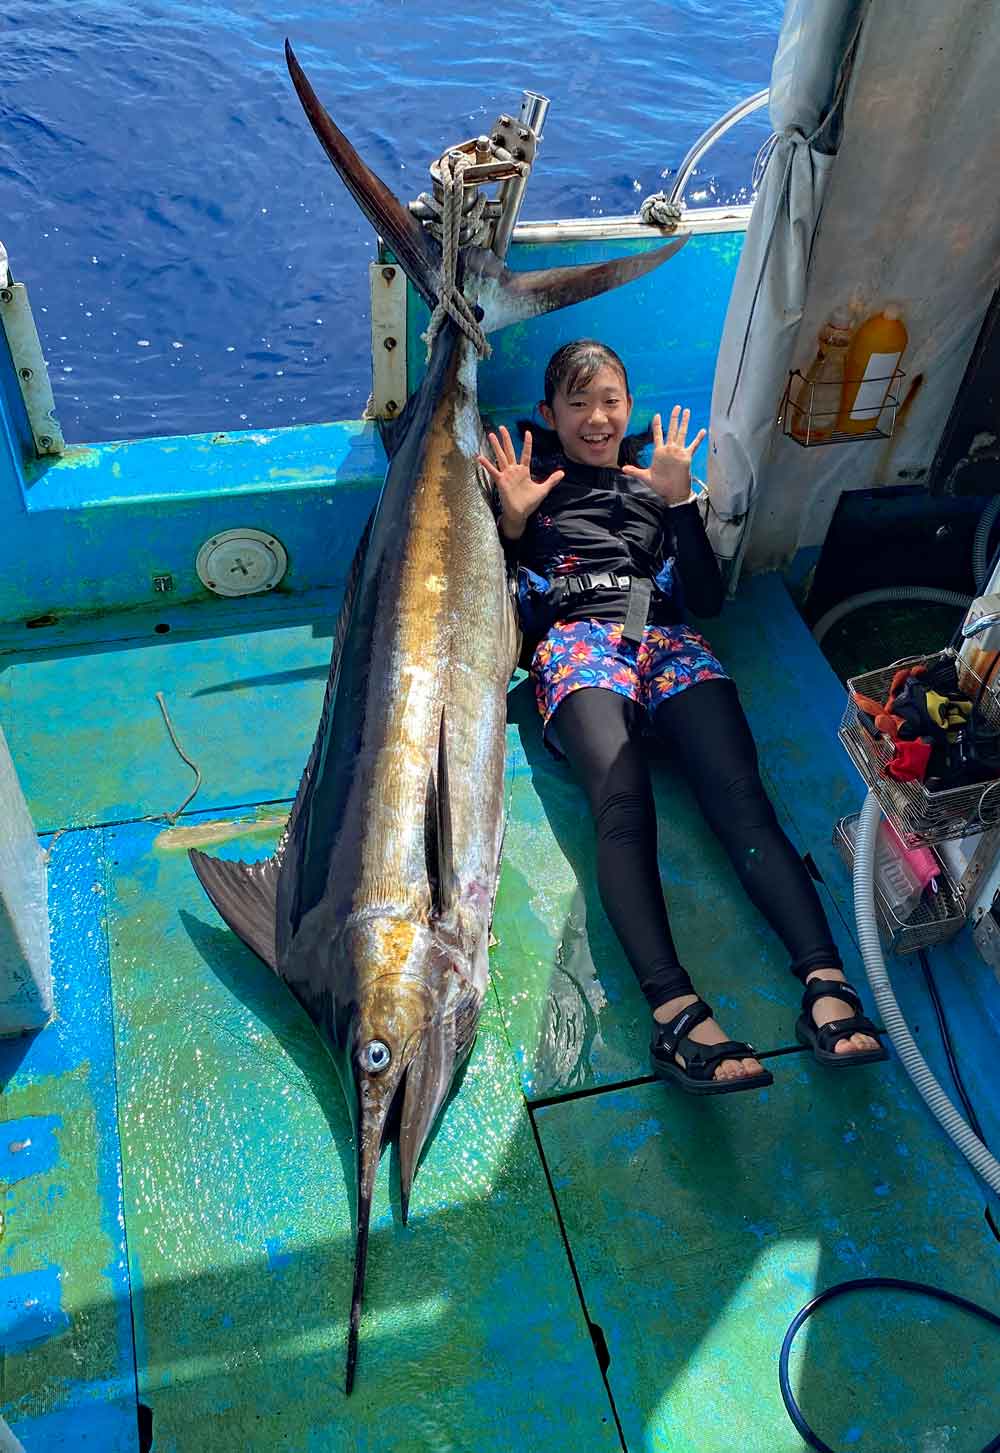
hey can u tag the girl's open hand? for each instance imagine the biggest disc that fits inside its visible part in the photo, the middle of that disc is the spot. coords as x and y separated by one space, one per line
520 495
669 472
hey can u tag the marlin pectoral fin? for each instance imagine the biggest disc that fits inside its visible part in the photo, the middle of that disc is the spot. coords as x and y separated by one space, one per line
417 253
244 895
444 1047
510 297
437 833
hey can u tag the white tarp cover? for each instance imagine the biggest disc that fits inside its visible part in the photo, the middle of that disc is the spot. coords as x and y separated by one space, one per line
25 973
769 290
904 213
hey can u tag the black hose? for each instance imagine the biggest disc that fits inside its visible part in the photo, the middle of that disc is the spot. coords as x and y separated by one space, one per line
956 1074
868 1283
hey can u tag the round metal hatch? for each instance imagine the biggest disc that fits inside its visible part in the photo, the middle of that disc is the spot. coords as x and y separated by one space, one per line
241 562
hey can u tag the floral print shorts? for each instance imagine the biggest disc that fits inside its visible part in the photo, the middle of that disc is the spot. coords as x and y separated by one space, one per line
592 653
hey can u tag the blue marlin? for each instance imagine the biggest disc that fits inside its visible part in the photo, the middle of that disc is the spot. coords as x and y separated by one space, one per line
375 908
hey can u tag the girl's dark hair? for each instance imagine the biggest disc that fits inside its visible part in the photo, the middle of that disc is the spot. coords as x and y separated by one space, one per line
571 367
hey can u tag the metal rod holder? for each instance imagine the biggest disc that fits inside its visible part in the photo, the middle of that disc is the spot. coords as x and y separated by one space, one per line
534 110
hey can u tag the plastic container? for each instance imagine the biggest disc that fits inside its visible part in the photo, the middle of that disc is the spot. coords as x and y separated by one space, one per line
901 873
815 396
938 917
871 363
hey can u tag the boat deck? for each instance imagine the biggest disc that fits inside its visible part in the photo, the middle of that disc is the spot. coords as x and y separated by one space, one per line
594 1261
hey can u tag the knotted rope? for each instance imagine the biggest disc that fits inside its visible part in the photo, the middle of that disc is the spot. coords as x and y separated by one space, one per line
659 211
451 303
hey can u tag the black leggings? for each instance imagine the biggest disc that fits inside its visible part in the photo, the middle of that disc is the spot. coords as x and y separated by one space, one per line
708 735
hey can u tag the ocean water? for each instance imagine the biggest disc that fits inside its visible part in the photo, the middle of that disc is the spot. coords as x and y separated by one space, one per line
193 261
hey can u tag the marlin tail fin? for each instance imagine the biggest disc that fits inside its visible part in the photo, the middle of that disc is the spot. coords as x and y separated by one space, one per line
504 296
418 254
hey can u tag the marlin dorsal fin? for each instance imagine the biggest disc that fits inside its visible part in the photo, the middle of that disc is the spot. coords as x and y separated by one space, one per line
244 896
339 636
437 833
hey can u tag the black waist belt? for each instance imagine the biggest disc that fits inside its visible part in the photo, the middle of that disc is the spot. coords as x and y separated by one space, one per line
640 593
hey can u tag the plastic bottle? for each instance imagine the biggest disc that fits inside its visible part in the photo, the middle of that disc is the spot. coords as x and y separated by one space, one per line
872 359
980 653
901 873
815 398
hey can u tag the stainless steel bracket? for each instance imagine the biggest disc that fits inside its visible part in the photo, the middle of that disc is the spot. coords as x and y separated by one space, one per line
29 365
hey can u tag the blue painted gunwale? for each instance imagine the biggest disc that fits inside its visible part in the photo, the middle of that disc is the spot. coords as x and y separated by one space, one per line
88 532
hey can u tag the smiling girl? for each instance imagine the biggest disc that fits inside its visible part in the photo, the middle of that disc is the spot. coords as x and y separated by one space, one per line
607 553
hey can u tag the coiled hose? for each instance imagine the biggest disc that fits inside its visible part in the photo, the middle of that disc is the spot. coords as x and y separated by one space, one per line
929 593
981 541
975 1152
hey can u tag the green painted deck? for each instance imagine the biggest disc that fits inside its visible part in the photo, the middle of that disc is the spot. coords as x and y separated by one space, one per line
178 1232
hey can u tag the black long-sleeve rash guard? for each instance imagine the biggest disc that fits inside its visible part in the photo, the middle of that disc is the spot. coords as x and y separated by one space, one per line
601 520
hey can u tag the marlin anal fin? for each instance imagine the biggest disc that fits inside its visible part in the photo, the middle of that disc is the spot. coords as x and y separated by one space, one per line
437 833
511 297
417 253
244 895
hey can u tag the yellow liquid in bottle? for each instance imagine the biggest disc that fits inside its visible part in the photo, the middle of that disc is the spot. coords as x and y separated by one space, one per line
872 359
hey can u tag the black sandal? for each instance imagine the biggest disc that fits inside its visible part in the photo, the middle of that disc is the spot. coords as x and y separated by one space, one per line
700 1059
822 1040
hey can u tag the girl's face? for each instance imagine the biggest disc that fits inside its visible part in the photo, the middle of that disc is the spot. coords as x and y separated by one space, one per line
592 419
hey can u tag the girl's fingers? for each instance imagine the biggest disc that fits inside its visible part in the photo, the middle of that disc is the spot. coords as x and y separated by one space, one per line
508 444
553 478
497 448
657 432
491 470
672 431
526 451
693 446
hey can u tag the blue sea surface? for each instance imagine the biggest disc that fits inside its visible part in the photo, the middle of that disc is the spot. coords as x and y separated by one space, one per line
193 261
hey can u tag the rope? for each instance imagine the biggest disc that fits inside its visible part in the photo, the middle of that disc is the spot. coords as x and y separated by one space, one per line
659 211
173 816
451 303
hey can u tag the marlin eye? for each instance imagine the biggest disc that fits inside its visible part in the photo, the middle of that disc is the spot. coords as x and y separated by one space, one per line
375 1057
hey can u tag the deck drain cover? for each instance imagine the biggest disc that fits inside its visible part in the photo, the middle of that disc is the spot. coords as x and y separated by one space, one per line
241 562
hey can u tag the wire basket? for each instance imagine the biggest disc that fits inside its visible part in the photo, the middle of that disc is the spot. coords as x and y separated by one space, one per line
936 918
808 418
917 815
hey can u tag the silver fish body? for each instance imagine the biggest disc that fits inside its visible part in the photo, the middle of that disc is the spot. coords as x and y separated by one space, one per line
375 908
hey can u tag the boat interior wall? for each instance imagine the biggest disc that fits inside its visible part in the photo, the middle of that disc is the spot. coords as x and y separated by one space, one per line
665 326
115 526
118 526
904 222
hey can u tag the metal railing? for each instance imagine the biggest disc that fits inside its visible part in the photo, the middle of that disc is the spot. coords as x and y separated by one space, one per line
708 139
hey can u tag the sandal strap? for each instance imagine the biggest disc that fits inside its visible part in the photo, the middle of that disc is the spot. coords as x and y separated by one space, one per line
828 1035
669 1035
830 989
701 1059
